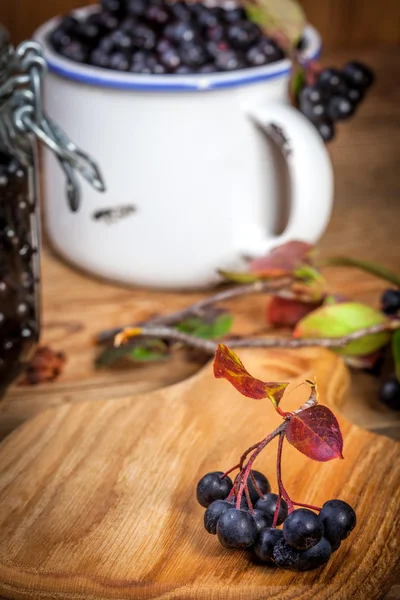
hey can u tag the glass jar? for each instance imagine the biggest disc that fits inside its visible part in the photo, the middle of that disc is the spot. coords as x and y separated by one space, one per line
22 123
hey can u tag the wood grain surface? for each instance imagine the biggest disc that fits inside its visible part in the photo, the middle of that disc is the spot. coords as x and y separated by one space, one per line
97 500
343 24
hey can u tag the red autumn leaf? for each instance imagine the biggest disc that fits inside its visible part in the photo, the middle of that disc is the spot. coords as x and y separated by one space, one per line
283 260
228 365
316 433
286 312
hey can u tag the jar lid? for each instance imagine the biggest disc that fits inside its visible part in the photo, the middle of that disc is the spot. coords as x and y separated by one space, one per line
6 51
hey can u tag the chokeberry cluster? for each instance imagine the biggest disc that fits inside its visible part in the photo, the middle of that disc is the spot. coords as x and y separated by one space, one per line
245 514
306 540
389 393
335 96
18 328
160 37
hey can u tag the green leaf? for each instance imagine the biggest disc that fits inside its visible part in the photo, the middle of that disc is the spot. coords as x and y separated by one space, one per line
111 355
308 273
372 268
338 320
139 351
297 82
153 350
284 20
396 352
239 277
202 328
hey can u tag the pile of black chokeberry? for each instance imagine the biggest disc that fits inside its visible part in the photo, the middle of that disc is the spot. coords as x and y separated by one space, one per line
18 323
390 390
306 540
142 36
335 96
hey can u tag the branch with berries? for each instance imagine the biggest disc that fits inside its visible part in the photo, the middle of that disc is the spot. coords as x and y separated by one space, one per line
299 298
245 514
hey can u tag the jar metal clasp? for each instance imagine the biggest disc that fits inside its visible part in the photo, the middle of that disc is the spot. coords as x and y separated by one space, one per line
22 114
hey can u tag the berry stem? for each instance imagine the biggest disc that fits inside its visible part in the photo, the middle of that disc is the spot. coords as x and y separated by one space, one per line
278 286
241 461
249 502
282 490
253 479
244 474
276 513
209 346
310 506
230 471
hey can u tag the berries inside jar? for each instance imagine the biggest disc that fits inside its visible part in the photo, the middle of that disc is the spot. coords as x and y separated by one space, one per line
176 37
18 306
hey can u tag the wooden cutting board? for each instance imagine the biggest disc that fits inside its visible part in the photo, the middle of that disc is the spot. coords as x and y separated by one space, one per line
97 499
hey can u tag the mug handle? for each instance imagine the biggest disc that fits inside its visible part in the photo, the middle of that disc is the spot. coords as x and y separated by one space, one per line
310 173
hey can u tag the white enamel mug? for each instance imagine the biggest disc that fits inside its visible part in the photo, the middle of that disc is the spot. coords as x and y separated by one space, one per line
191 169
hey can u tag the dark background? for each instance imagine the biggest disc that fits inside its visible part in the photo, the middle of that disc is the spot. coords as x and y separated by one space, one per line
344 24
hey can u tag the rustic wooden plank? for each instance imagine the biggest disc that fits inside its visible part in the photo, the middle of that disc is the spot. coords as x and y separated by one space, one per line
97 499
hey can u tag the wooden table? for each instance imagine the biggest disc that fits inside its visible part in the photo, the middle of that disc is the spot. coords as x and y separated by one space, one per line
365 224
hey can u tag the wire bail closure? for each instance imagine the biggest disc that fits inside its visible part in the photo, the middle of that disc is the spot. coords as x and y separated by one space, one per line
22 115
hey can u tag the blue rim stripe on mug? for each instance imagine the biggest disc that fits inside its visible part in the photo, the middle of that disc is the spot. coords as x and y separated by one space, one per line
95 76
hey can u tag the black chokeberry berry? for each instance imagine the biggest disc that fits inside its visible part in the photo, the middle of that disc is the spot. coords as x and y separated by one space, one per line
339 108
75 51
180 31
355 95
192 54
113 6
330 80
265 543
338 519
314 112
326 129
236 529
268 505
158 15
228 60
357 74
213 513
313 103
390 302
243 34
262 483
98 58
180 11
60 38
287 557
271 50
311 94
170 59
389 394
207 68
335 545
303 529
234 15
262 520
211 487
137 8
119 61
256 57
183 70
143 37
